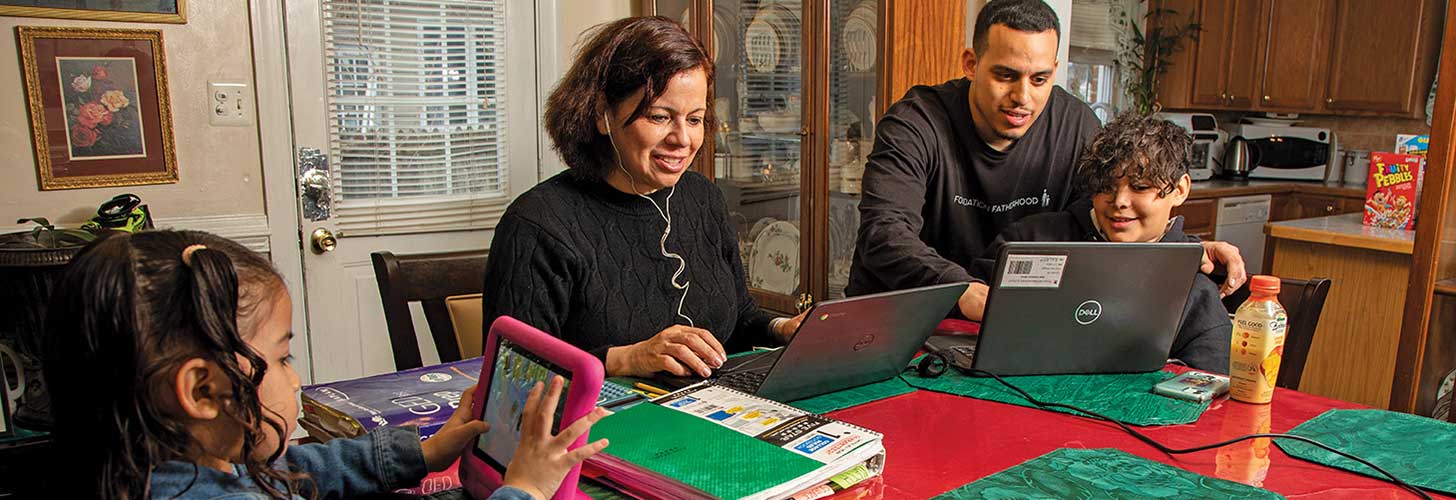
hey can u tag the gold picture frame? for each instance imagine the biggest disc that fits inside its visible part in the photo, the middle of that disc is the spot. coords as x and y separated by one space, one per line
100 115
134 16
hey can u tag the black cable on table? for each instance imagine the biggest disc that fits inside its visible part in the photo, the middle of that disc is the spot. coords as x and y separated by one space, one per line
1172 451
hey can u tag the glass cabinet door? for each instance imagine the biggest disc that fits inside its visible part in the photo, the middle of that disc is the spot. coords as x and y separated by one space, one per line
854 80
757 148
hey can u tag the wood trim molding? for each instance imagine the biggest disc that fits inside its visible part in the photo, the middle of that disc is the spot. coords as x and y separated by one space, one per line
1432 258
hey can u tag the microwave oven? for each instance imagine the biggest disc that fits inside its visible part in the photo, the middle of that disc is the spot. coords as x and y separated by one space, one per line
1288 153
1208 142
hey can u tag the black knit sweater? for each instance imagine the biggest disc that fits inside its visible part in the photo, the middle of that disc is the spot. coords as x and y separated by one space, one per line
580 260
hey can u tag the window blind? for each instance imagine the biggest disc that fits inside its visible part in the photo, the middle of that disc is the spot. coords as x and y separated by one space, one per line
417 113
1092 25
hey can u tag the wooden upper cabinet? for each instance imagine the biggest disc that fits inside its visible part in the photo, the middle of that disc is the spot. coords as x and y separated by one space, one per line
1383 55
1248 33
1211 53
1344 57
1296 55
1225 60
1175 82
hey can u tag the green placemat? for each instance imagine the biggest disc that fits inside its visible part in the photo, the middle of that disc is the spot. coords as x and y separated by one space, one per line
1127 397
853 396
1409 446
1100 473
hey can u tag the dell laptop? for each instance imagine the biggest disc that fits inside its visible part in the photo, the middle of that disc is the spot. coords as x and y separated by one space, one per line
1085 307
844 343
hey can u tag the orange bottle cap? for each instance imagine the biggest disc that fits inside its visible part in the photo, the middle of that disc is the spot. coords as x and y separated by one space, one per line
1264 284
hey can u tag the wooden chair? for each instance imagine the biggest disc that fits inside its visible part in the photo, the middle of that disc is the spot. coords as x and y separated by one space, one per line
1303 301
429 278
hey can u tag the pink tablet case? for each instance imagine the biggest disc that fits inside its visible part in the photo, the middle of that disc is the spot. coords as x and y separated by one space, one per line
478 476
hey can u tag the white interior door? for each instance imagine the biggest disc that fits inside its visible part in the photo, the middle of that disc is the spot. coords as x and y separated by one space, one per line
427 113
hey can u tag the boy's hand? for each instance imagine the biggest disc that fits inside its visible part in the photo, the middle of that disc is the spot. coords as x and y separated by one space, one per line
541 460
1233 262
973 301
450 441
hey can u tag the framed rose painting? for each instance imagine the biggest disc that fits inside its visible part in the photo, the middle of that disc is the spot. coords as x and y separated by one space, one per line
99 111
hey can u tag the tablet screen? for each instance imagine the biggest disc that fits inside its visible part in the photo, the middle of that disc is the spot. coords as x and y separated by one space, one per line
514 373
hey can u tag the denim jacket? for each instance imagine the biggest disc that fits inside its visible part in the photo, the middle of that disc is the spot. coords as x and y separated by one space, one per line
385 459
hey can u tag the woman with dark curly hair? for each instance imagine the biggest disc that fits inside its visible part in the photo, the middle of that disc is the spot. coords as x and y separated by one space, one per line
628 254
1136 171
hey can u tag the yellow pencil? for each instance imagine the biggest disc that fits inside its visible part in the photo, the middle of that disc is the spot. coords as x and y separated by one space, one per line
649 388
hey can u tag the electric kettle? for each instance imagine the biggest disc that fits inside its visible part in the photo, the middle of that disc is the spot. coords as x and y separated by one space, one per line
1239 158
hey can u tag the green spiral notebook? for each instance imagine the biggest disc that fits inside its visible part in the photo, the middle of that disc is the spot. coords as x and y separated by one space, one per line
714 442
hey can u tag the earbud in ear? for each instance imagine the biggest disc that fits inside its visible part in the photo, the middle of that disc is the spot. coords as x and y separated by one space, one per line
604 126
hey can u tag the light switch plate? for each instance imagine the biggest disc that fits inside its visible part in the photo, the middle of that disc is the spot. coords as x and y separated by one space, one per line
229 104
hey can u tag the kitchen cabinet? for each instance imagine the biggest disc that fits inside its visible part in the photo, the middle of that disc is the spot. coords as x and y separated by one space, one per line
1295 56
1224 75
1303 206
1384 56
1343 57
1200 217
800 85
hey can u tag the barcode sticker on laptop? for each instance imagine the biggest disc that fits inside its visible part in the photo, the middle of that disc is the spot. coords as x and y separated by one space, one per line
1033 271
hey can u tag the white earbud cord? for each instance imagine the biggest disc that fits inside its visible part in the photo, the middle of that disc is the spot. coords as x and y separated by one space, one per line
666 214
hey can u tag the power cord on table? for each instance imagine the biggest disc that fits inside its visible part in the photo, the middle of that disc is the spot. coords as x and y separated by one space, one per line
1172 451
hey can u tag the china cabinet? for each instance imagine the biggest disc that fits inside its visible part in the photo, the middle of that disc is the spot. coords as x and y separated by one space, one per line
799 87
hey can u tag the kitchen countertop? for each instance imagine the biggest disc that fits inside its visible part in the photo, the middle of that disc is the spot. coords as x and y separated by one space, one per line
1344 230
1219 188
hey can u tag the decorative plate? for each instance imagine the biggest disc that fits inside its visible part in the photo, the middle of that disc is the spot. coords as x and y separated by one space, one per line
773 263
859 37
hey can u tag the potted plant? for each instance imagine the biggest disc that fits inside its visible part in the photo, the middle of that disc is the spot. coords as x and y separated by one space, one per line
1143 57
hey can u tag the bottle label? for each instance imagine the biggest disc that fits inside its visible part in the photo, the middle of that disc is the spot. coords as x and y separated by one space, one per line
1255 354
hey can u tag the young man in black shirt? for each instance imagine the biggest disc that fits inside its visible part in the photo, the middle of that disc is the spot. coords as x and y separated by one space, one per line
956 163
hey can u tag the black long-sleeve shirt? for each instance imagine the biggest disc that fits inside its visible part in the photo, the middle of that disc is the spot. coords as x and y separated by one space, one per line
1204 333
580 260
935 194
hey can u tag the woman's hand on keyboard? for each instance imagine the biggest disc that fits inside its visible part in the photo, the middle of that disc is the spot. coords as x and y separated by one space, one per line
680 350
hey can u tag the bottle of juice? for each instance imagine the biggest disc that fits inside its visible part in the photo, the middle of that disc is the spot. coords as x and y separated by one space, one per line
1258 343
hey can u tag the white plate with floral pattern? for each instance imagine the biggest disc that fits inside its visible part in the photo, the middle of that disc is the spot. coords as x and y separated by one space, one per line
773 263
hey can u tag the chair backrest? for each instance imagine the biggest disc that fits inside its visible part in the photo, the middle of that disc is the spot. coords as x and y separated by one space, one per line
1303 301
428 278
467 315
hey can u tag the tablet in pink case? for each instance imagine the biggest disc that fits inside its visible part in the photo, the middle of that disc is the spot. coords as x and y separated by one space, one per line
517 356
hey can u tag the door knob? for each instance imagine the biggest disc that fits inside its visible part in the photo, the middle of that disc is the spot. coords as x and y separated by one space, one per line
323 240
1266 98
1329 100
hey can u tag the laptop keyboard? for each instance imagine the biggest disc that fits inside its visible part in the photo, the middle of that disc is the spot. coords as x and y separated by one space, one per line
747 381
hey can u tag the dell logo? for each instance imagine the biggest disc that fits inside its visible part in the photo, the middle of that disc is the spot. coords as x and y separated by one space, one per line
864 341
1088 311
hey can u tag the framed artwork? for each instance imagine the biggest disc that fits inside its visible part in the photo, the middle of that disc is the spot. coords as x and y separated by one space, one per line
140 11
99 111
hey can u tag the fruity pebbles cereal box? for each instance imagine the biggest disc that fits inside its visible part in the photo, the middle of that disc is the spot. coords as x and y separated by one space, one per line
1393 189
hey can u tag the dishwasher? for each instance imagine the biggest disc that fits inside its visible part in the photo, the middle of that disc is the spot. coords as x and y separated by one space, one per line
1241 222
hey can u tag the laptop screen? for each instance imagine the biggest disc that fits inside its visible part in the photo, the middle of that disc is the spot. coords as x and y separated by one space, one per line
513 374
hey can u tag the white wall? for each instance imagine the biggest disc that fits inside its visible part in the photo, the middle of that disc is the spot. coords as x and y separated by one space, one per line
1063 9
219 167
